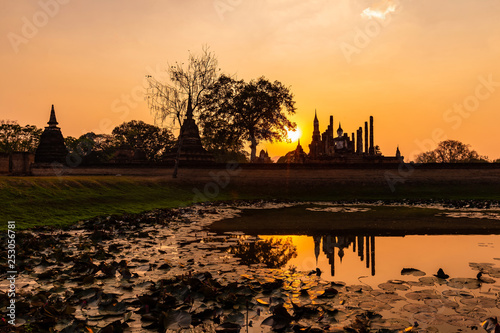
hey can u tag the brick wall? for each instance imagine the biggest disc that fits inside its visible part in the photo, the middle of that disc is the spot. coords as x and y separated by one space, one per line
4 163
475 173
17 163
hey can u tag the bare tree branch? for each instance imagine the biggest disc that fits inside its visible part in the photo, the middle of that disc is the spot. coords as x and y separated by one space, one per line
169 100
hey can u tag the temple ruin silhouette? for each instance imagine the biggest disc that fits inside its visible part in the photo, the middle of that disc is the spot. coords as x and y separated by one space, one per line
327 147
51 148
363 245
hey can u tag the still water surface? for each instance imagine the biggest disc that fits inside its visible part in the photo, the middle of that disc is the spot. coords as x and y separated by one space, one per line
369 248
376 259
372 243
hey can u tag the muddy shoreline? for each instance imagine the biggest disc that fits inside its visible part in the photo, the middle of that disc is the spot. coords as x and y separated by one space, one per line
385 219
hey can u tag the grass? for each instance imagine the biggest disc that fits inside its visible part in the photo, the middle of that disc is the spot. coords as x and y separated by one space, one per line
62 201
56 201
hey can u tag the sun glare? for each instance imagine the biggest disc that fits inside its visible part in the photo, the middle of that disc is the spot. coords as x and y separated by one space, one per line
294 135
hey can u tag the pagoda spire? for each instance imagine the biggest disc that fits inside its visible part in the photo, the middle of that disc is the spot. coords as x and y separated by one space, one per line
52 121
316 123
189 112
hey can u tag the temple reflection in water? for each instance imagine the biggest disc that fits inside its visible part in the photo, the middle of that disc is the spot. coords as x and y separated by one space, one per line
364 245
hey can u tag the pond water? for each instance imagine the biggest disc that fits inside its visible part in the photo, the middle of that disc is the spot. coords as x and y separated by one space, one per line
376 259
388 257
372 243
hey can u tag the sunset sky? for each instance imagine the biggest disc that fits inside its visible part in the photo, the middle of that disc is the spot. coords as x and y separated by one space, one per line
426 70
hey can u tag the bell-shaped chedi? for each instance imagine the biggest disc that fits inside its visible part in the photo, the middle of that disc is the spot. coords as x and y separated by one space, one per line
191 148
51 148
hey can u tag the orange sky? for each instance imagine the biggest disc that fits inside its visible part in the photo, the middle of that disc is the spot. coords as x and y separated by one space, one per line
426 70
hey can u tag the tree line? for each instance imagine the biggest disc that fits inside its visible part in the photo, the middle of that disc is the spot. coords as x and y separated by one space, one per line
154 141
94 147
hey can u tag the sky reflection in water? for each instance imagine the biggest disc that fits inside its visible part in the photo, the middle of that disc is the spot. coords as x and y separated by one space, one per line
375 259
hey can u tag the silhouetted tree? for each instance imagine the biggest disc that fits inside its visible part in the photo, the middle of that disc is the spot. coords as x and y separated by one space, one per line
224 155
90 148
235 111
139 135
451 151
426 157
219 135
170 101
15 138
71 143
274 253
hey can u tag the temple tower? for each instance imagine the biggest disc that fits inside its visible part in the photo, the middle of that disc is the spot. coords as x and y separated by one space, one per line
316 132
315 148
51 147
398 154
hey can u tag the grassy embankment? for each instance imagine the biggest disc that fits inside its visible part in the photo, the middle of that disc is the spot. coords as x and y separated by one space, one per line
36 201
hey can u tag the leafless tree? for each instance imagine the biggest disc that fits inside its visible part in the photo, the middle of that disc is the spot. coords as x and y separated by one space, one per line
171 102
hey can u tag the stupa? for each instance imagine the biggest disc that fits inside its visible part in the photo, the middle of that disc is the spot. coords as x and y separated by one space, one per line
51 147
192 150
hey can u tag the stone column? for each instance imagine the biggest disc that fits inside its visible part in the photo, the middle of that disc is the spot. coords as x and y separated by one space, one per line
359 147
372 148
366 137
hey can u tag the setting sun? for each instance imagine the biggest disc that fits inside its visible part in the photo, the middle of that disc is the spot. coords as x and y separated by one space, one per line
294 135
